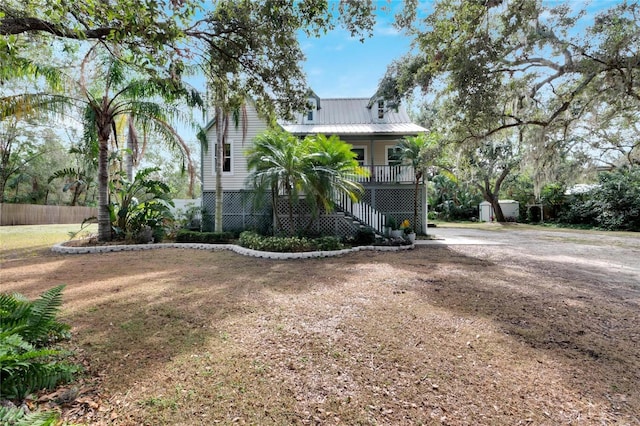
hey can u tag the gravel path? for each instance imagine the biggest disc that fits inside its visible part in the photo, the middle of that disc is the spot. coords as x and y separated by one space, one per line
610 255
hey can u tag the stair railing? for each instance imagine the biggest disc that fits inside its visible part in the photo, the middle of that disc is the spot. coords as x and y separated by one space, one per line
362 212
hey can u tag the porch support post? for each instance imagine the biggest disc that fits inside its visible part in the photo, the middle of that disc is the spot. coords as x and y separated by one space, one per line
425 205
371 162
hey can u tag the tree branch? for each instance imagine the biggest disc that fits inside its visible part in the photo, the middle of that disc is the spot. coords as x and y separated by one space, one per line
13 26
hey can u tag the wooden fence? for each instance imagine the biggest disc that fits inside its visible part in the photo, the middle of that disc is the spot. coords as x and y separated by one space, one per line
32 214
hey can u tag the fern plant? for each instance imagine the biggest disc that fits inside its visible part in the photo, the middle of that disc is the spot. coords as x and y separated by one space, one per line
18 417
27 330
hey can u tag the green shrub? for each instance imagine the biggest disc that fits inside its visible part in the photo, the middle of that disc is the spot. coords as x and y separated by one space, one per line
27 332
139 205
364 237
327 243
614 204
186 236
252 240
18 417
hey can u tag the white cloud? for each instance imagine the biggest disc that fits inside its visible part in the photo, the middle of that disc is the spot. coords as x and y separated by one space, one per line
385 30
315 71
334 47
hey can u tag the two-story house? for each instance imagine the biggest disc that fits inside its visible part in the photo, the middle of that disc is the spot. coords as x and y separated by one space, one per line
369 126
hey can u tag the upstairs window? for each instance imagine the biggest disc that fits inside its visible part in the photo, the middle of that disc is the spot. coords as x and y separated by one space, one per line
360 154
380 110
394 156
226 159
310 115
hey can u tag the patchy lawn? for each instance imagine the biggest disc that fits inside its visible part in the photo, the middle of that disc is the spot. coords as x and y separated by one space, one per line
458 335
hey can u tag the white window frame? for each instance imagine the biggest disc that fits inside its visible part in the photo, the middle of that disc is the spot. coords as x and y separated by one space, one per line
230 172
386 154
366 158
380 105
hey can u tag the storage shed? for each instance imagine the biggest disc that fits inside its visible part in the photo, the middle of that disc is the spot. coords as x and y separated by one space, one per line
510 209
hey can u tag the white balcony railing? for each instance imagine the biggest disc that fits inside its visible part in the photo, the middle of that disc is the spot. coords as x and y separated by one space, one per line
388 174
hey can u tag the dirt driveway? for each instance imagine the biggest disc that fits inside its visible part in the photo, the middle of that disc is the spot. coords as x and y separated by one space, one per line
611 256
515 326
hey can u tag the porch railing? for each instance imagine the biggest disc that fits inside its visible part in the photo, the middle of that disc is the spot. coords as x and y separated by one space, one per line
363 212
388 174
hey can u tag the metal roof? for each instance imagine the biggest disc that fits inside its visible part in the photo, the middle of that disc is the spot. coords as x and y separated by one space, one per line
354 129
351 116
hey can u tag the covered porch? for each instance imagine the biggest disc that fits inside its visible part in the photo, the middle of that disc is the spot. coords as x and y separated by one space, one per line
379 155
388 174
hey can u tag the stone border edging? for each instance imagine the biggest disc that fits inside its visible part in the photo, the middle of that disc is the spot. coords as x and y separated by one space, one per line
62 249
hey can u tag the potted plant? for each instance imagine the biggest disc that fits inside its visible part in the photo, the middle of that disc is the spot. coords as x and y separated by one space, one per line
395 231
408 231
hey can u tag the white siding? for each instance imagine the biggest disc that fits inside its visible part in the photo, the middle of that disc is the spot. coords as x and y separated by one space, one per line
237 178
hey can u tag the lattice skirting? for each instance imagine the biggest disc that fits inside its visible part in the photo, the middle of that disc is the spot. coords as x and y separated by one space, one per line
396 202
241 213
320 222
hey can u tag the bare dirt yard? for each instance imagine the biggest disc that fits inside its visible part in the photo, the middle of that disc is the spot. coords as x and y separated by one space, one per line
543 329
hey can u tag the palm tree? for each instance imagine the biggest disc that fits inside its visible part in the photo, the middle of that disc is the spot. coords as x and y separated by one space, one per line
420 152
150 102
277 163
333 168
316 166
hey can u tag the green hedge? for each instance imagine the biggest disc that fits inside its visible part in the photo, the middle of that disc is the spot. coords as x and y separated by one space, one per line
186 236
256 241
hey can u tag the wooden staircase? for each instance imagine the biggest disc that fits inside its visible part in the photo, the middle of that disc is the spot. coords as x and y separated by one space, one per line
362 214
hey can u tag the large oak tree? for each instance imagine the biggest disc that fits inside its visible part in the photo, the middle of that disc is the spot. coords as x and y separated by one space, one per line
246 47
528 67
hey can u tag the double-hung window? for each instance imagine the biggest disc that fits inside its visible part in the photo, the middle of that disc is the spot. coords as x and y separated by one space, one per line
226 159
393 156
360 155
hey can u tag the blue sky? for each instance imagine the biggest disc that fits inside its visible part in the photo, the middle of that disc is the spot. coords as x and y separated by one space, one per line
338 65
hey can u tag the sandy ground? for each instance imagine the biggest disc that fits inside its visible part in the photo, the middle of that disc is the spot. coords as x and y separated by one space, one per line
491 327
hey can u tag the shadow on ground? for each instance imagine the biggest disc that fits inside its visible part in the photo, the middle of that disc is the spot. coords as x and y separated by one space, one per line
138 318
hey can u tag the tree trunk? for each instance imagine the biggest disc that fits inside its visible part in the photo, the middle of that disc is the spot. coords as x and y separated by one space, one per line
104 122
128 161
104 220
492 195
220 141
3 184
497 210
274 203
132 148
290 198
76 193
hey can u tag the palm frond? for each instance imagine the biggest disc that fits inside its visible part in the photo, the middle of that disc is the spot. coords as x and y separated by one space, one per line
13 66
31 104
64 173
